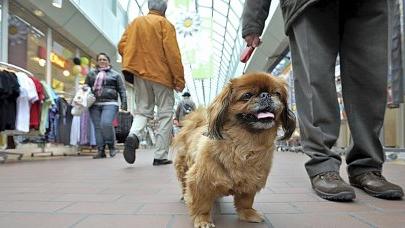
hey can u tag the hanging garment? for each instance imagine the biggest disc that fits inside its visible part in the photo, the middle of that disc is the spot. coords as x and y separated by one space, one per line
64 122
35 112
85 128
9 91
75 131
53 122
28 95
50 97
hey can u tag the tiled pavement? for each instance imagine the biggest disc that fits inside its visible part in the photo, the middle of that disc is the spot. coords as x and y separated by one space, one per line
82 192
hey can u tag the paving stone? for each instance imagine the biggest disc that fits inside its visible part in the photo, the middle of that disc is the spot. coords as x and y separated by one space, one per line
331 207
163 208
31 206
87 197
380 219
101 208
314 220
39 220
124 221
228 208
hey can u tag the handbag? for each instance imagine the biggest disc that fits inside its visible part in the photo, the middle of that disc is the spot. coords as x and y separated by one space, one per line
124 126
84 98
77 111
90 99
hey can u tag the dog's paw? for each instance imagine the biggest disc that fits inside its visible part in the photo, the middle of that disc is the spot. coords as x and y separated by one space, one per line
250 215
204 225
203 221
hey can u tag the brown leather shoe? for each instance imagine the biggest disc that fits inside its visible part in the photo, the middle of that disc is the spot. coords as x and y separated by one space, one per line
330 186
374 184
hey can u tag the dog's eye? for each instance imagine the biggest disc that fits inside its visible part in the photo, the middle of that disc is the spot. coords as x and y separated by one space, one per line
278 94
246 96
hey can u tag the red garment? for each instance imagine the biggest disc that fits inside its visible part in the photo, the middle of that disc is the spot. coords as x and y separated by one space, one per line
35 112
115 121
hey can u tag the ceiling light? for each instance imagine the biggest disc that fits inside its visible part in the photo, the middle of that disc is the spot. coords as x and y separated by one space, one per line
66 73
57 3
42 62
39 13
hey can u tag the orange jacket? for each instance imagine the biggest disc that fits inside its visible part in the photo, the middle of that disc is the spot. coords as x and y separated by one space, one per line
150 51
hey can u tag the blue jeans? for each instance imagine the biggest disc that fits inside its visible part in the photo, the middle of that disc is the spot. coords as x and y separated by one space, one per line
102 117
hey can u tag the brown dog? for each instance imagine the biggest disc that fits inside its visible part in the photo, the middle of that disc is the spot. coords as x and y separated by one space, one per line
228 148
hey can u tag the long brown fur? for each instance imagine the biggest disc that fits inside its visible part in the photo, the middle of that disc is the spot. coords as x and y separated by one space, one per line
217 155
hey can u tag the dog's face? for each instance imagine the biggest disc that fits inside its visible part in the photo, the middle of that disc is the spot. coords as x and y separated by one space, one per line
256 101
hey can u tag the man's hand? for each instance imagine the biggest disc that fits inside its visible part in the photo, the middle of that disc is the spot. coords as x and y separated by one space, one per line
253 40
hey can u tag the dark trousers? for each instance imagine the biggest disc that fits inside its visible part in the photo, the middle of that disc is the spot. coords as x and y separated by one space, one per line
102 117
357 31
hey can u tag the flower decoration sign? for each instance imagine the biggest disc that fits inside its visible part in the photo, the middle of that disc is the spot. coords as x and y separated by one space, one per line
17 30
188 24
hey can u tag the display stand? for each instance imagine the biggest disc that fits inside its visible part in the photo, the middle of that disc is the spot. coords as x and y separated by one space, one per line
5 152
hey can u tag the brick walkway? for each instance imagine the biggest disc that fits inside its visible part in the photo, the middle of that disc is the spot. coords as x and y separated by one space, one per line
82 192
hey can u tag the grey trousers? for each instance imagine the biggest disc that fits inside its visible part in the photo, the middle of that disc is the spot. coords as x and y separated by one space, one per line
357 31
102 117
148 95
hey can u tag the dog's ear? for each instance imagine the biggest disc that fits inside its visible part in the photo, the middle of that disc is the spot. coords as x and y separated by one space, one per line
288 121
217 111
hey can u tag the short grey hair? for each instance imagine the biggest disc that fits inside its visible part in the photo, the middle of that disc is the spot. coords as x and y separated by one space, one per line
159 5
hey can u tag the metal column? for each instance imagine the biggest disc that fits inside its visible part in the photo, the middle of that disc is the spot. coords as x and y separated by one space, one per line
4 31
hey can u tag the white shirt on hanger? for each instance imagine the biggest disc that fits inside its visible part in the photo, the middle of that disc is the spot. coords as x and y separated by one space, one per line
28 95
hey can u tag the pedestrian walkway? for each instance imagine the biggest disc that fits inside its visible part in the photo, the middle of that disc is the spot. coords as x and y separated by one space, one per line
82 192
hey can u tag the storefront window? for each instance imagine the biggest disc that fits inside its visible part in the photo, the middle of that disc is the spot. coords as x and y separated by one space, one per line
62 53
65 73
27 48
26 41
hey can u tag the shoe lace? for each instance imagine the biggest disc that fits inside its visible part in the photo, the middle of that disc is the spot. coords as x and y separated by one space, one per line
377 175
330 176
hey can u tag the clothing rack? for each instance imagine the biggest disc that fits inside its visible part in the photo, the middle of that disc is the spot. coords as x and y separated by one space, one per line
16 68
4 153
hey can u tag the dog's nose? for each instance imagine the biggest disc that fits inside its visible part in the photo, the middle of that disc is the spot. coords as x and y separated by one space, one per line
264 95
265 99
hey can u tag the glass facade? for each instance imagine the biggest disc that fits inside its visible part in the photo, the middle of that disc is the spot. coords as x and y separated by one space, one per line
26 41
62 53
27 48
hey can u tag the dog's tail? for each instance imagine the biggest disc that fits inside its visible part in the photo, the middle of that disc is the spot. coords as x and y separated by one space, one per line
195 119
190 123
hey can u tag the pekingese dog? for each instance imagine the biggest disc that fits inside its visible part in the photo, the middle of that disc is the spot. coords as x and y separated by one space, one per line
227 149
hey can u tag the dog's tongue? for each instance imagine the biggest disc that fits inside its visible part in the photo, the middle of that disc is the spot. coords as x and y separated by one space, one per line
263 115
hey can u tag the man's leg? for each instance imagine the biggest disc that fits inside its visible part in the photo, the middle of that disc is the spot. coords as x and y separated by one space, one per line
314 43
364 68
145 103
314 48
165 102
